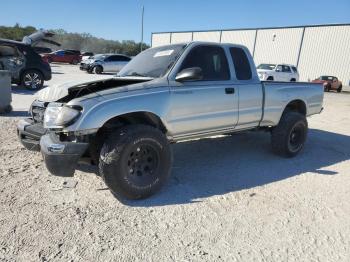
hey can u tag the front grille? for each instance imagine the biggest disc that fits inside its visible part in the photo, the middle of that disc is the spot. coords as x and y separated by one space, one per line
38 111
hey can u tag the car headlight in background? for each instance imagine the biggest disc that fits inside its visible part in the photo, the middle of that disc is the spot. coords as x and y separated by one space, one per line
58 115
262 75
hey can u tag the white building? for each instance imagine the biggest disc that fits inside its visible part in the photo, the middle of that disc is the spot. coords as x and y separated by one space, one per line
315 49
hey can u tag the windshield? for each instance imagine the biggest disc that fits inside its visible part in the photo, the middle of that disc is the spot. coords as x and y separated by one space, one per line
266 66
153 62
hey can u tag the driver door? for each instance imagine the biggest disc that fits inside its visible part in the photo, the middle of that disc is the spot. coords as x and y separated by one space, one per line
206 105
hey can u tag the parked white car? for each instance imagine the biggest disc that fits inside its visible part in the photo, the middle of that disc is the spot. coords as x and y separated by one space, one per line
281 72
86 55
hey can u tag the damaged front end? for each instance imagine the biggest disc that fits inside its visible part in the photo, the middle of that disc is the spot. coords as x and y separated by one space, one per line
30 130
45 130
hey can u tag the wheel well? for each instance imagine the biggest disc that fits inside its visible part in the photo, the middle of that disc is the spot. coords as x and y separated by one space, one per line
293 79
269 78
145 118
296 106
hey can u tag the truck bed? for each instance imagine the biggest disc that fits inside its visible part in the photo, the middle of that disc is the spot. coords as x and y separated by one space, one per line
277 95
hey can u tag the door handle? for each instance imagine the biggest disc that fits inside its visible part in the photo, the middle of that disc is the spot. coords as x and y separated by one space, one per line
229 90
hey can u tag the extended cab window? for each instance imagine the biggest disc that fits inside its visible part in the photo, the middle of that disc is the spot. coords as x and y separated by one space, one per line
211 59
241 63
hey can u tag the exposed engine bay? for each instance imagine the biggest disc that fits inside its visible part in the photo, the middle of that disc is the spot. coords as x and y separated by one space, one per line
66 92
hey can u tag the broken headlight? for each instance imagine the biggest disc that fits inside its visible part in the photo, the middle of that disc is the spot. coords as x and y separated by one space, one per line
58 115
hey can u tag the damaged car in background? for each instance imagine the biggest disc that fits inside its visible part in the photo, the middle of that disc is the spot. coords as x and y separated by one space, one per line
166 94
25 65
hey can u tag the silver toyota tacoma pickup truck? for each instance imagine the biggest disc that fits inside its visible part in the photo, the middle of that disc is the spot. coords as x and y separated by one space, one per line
167 94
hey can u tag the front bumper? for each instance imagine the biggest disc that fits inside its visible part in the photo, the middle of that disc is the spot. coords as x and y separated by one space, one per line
30 133
60 157
84 66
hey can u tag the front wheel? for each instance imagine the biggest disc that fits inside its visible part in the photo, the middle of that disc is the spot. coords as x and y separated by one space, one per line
340 88
289 136
32 80
135 161
97 70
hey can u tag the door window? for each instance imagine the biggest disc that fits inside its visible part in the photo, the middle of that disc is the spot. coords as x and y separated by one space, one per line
121 58
109 59
286 69
279 68
211 59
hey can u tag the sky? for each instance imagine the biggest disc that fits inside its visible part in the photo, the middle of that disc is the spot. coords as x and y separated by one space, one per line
121 20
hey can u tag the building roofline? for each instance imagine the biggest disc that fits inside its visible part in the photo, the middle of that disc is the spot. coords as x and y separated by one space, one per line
253 28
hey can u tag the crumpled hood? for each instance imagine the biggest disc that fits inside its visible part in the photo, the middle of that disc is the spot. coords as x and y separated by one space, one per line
57 92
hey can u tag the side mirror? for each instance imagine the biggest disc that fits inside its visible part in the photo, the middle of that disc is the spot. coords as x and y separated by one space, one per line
188 74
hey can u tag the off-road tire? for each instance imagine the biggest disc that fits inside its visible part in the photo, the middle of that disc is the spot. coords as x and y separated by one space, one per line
135 161
289 136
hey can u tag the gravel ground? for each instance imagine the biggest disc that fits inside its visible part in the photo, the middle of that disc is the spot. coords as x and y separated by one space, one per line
229 199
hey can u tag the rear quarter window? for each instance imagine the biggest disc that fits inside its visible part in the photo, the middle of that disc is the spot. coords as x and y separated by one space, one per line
295 69
241 63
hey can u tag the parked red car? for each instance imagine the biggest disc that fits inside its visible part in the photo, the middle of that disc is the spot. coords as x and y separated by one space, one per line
63 56
329 83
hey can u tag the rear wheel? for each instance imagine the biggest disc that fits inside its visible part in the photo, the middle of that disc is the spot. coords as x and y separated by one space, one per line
289 136
32 80
97 70
135 161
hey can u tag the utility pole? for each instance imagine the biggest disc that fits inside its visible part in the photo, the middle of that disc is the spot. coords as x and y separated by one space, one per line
143 11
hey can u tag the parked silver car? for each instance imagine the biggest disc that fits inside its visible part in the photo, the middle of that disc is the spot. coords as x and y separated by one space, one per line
104 63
